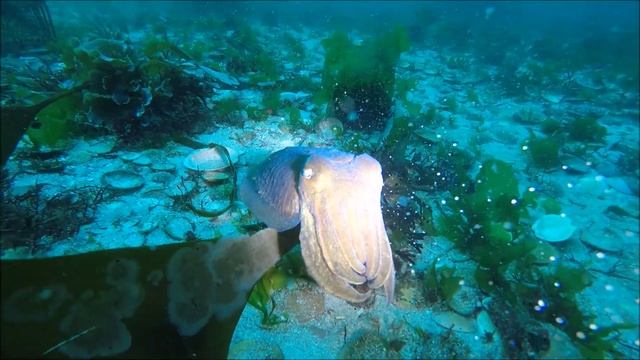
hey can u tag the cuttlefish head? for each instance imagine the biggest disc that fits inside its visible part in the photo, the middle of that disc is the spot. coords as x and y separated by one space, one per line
335 197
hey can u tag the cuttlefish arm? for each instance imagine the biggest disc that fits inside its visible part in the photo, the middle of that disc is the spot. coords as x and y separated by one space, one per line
342 229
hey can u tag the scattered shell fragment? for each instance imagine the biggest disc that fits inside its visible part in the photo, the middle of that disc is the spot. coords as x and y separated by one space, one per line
129 156
552 97
102 146
203 205
163 166
179 227
122 180
576 166
455 322
143 160
180 188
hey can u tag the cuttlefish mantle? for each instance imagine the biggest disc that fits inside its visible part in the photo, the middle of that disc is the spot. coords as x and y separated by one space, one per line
335 197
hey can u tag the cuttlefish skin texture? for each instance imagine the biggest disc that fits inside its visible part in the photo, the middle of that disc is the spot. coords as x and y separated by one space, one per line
335 196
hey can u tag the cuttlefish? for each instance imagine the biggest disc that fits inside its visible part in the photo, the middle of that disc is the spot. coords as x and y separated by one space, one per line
335 197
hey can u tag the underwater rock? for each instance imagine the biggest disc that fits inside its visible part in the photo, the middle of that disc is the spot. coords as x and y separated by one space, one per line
575 165
607 242
619 184
591 186
122 180
561 346
553 228
329 128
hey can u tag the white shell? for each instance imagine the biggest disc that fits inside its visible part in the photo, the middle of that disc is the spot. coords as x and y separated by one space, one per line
207 159
123 180
553 228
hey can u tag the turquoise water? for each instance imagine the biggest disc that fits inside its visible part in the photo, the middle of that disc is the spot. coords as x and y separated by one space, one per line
167 188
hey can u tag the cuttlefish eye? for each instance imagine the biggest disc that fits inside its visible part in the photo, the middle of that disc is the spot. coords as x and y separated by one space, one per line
307 173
